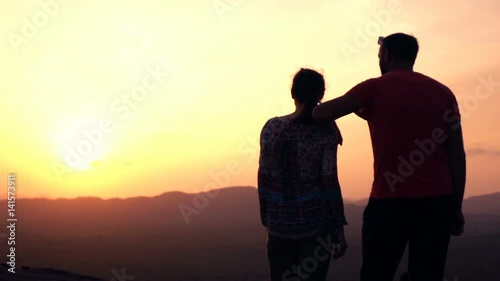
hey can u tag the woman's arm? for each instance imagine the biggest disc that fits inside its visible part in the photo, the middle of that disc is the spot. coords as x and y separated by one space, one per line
263 176
333 193
331 185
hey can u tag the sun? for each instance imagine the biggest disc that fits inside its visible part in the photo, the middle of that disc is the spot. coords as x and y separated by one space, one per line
78 146
85 164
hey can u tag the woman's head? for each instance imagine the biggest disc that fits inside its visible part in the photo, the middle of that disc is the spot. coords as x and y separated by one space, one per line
308 89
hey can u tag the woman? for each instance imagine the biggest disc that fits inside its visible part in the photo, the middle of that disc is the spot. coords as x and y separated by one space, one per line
299 193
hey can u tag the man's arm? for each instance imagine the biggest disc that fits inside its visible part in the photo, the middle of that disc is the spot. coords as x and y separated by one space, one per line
456 158
336 108
457 162
354 100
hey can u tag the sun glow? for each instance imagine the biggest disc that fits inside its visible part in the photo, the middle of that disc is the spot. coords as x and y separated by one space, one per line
77 121
77 143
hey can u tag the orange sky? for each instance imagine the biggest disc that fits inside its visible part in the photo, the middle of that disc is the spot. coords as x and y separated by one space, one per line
156 96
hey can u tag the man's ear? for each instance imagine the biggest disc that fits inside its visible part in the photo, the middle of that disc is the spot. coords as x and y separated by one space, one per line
385 55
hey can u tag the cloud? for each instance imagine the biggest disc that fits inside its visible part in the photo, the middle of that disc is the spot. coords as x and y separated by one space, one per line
483 151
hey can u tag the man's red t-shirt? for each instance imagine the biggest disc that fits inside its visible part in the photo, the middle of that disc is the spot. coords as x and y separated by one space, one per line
407 114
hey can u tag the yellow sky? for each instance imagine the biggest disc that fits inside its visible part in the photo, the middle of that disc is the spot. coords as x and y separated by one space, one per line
129 98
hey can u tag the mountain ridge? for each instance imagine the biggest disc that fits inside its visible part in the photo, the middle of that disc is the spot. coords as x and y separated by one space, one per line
356 201
221 235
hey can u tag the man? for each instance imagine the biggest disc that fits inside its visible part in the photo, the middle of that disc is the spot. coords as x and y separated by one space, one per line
419 164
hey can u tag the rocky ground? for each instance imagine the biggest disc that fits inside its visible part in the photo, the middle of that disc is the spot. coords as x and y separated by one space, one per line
41 274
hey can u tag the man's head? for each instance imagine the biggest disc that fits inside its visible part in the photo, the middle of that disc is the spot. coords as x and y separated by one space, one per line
397 50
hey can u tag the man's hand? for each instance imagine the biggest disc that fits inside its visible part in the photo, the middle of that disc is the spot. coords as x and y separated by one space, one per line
340 246
457 224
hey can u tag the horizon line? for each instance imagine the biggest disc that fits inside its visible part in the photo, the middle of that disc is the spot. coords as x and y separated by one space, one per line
186 193
132 197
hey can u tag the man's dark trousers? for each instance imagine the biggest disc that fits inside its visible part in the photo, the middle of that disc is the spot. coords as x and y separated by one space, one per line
389 225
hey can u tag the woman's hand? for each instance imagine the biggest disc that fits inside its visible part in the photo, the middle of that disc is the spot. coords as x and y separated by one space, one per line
340 245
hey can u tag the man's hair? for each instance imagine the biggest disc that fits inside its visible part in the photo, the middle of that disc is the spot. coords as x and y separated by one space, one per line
401 46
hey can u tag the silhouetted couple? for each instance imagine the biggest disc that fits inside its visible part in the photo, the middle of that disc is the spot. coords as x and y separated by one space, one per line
419 173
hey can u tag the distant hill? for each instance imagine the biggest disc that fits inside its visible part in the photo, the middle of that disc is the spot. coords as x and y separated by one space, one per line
483 204
218 237
488 204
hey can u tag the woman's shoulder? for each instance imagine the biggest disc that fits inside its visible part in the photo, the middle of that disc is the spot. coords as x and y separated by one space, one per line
279 121
271 125
331 132
271 122
328 133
